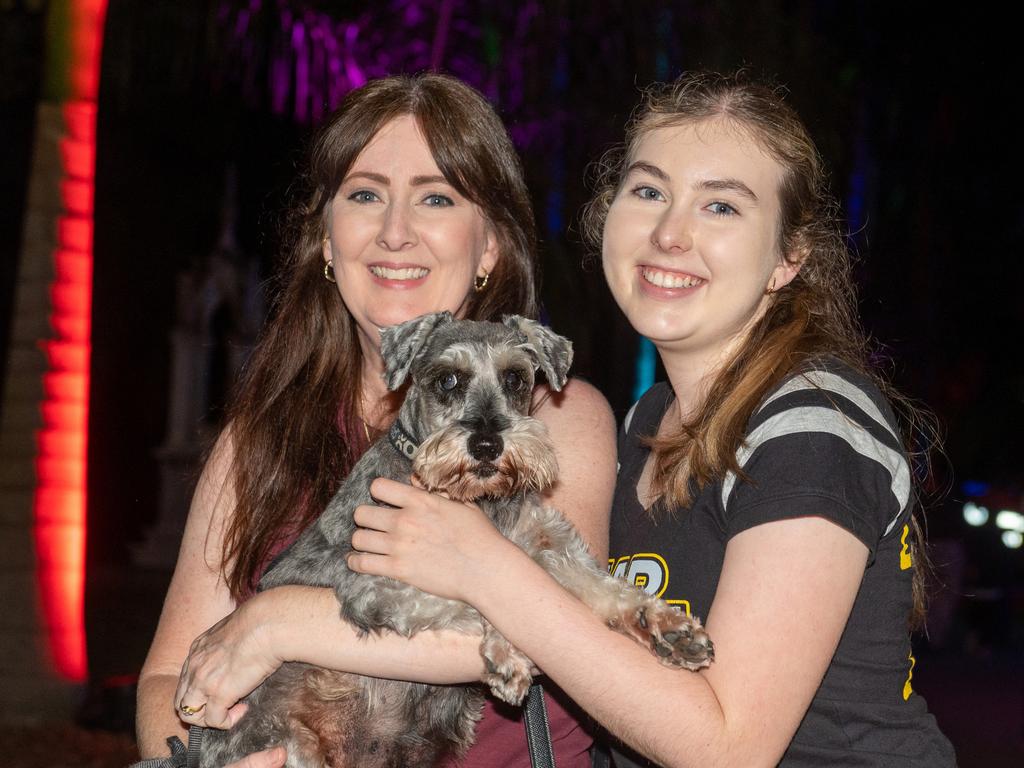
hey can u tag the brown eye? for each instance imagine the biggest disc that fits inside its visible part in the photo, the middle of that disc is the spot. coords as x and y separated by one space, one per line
514 381
447 382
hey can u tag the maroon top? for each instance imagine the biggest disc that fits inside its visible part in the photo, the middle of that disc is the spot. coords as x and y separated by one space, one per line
501 736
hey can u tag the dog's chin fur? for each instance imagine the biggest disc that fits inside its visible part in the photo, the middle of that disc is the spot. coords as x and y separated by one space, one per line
526 465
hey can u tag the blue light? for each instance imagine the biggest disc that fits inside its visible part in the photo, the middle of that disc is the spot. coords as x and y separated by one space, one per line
974 488
553 210
646 363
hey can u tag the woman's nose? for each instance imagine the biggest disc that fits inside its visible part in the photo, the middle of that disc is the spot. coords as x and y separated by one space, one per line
673 232
397 231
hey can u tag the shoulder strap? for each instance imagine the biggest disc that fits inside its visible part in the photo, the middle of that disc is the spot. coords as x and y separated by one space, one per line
195 743
538 734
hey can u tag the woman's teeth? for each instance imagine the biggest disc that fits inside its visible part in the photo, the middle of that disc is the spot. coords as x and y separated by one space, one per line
406 273
670 279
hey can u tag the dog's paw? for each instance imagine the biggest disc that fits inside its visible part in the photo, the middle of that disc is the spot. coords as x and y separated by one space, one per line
509 672
676 639
509 687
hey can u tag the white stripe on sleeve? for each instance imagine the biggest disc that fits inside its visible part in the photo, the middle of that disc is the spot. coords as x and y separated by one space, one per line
827 420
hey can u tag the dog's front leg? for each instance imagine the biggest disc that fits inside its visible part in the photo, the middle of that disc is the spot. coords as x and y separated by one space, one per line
678 640
509 671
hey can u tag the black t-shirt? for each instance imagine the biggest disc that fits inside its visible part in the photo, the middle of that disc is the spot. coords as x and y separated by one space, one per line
821 444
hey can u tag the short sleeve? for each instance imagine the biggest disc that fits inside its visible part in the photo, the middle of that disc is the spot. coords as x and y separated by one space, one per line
821 445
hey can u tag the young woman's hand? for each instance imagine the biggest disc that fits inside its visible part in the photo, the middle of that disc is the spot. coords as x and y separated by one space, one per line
443 547
226 663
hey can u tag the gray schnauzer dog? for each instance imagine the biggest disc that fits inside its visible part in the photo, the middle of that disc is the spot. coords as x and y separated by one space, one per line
464 429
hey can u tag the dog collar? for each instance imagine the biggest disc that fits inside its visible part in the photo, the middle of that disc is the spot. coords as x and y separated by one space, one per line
401 440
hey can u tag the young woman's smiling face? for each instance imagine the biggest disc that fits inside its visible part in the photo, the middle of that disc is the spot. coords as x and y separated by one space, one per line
691 240
402 240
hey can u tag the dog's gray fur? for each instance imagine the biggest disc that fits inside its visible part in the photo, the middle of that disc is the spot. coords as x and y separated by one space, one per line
363 721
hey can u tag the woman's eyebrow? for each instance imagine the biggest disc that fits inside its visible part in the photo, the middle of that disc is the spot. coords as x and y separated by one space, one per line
648 168
419 181
727 185
377 177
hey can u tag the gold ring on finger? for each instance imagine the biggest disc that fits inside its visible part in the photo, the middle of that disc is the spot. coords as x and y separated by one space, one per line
189 711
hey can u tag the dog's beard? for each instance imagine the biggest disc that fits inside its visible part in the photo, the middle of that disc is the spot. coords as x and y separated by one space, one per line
442 464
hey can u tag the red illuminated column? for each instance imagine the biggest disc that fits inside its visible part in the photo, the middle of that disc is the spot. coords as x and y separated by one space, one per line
61 445
43 432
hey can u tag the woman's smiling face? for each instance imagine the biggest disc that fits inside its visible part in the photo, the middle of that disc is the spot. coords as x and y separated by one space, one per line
691 240
402 240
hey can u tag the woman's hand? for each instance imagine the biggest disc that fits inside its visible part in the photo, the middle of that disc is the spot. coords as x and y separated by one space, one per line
224 664
441 546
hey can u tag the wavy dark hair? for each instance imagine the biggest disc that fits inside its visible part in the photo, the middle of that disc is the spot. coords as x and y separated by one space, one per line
813 316
294 424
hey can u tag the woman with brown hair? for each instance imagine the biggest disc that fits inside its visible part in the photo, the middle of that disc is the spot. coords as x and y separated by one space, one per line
416 203
766 487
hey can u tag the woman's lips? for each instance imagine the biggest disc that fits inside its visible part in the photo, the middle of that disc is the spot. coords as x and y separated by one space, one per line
398 275
665 282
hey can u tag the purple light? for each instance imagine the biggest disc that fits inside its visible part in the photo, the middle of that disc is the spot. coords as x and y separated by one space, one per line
308 59
354 74
301 49
441 36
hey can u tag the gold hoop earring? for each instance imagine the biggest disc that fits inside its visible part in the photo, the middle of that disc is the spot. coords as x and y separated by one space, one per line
770 289
329 271
479 283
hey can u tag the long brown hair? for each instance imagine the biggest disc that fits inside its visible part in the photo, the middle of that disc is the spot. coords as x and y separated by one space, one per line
294 425
814 315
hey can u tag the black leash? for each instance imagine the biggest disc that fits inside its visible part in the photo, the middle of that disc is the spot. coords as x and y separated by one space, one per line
181 756
538 732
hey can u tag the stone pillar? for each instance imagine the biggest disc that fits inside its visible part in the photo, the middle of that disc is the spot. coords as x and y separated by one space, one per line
227 282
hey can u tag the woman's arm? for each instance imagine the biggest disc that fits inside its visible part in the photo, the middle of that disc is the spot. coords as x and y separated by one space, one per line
197 597
785 593
582 428
302 623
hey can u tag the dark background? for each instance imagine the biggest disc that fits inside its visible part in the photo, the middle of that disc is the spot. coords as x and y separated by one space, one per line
914 111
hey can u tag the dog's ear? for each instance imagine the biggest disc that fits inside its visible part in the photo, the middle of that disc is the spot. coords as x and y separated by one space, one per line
401 344
551 352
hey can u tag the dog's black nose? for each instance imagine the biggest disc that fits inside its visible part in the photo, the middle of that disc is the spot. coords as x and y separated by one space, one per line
484 447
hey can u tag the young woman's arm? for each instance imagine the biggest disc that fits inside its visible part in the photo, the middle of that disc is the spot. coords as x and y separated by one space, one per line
302 623
785 593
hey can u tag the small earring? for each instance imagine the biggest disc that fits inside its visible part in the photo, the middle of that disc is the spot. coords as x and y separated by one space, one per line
329 271
770 289
479 283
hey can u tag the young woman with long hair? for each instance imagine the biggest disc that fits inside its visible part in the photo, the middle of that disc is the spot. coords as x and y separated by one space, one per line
766 487
415 203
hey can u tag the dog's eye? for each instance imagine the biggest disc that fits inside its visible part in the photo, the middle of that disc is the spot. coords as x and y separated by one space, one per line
447 382
514 381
